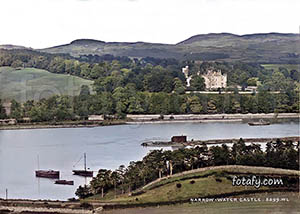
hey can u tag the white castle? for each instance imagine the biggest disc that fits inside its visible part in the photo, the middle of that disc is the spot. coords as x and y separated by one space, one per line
213 79
185 71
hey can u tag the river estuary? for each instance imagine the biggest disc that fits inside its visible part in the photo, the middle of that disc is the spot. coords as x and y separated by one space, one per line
106 147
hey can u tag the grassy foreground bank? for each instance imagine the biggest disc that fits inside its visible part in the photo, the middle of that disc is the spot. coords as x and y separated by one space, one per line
208 182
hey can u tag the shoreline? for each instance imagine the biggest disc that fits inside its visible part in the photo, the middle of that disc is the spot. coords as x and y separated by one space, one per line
184 121
194 143
60 126
98 206
153 119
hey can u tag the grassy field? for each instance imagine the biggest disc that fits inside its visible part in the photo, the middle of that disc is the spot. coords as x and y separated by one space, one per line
194 184
34 84
276 67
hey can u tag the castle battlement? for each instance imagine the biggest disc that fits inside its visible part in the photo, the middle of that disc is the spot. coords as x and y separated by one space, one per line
215 79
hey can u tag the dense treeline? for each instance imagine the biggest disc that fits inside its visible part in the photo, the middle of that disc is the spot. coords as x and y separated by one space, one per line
109 72
128 100
251 74
159 163
150 74
150 86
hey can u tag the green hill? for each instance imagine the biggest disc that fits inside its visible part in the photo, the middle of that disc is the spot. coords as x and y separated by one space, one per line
34 84
213 182
261 48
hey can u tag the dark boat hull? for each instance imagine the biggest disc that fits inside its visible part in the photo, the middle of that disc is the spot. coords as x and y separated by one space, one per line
47 174
83 173
64 182
258 124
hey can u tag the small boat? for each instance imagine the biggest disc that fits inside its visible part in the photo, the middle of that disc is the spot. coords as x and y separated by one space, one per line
47 174
260 123
64 182
83 172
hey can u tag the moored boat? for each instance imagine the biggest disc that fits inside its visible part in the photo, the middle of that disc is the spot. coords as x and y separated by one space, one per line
64 182
83 172
47 174
260 123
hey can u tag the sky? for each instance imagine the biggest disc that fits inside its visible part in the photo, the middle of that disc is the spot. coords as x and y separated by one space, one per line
46 23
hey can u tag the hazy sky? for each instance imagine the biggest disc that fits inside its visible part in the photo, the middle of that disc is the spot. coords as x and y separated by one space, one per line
45 23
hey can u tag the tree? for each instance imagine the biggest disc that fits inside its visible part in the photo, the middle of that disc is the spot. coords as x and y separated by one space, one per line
159 103
265 101
178 86
116 177
85 70
16 110
252 81
2 111
107 103
84 90
198 83
101 182
295 75
159 79
83 192
69 66
97 72
135 105
220 155
194 104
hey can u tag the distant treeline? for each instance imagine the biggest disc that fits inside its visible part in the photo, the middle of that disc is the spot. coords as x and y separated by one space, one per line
128 100
159 163
149 74
148 85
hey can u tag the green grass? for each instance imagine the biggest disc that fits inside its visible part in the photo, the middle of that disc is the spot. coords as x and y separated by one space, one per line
292 206
276 67
205 184
34 84
204 172
169 192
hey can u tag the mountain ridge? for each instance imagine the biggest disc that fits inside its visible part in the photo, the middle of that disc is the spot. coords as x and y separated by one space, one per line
91 41
258 47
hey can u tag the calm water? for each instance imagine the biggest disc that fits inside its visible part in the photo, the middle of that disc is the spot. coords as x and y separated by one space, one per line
106 147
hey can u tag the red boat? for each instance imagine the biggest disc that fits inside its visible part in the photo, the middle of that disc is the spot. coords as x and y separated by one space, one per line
64 182
84 172
47 174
